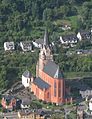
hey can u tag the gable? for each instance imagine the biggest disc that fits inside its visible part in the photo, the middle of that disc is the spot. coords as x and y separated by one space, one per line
27 74
52 69
58 74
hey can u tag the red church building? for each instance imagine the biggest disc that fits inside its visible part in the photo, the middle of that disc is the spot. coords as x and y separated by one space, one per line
49 84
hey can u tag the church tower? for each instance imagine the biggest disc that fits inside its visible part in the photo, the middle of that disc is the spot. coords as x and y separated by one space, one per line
44 55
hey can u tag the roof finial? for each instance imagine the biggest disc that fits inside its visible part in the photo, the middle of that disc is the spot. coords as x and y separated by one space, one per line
46 37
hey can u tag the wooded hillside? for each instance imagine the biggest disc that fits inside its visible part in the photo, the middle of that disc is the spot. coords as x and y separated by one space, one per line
22 20
26 19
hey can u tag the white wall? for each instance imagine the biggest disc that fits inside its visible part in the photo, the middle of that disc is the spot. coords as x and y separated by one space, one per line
26 81
25 106
79 36
9 46
90 106
61 40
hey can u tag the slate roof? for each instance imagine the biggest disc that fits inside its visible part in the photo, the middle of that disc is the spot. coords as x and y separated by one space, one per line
39 41
27 45
89 97
86 93
26 101
8 98
27 74
85 34
71 37
40 83
51 68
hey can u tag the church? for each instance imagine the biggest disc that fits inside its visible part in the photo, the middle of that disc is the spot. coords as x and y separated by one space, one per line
49 84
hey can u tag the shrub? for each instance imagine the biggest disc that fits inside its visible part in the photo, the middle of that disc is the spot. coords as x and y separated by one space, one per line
49 103
44 102
40 100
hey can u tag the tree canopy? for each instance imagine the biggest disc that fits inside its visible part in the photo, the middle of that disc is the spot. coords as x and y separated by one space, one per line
22 20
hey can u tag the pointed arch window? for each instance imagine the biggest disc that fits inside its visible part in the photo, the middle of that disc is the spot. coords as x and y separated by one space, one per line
48 95
59 89
55 86
27 80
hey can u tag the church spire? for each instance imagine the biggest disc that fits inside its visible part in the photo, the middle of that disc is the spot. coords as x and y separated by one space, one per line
46 37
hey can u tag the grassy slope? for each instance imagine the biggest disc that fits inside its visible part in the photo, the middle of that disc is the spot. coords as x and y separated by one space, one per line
77 74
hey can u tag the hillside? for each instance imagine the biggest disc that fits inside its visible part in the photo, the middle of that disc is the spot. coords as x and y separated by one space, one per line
22 20
26 19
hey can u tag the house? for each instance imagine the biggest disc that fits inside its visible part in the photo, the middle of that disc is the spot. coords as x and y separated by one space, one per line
26 114
49 84
69 39
80 112
26 46
38 43
90 104
66 27
25 104
9 102
85 93
26 78
79 51
85 52
84 35
9 46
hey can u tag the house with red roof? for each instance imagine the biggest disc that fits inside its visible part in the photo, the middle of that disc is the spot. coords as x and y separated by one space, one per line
8 102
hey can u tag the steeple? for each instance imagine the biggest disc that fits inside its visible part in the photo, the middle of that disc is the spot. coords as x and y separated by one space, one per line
46 37
44 55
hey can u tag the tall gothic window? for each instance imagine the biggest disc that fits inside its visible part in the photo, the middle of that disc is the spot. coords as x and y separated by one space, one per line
48 95
27 80
55 86
59 89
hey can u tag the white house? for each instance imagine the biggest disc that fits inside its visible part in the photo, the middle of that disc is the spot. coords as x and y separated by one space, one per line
9 46
79 36
84 35
66 27
25 103
26 78
69 39
38 43
26 46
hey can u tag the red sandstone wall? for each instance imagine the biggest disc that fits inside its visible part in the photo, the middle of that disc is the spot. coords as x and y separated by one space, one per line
47 96
33 88
50 81
42 94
